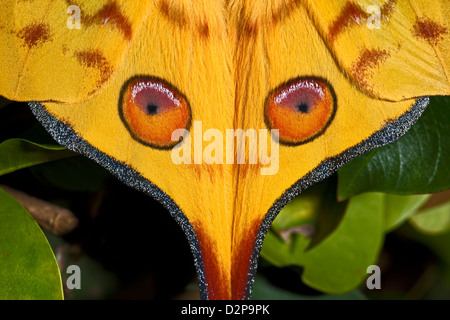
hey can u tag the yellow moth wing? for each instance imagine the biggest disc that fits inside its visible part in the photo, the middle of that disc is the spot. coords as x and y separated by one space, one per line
227 78
393 49
280 52
200 68
226 60
43 59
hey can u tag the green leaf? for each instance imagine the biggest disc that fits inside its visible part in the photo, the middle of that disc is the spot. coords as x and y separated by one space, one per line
4 102
18 153
264 290
400 208
432 221
299 211
280 253
76 173
438 243
416 163
339 262
313 211
28 267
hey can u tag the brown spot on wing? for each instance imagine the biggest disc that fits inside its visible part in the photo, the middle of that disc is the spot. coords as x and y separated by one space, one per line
177 15
274 14
35 34
164 8
284 10
352 14
95 59
64 49
172 13
429 30
251 29
367 61
203 170
387 9
204 30
110 14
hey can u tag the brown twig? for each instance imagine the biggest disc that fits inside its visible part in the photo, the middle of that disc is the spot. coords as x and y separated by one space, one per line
57 220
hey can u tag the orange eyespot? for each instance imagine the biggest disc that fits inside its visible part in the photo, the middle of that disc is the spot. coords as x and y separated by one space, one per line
152 109
300 109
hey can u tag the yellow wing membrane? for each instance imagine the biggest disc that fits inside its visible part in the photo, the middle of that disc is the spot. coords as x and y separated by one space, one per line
45 57
393 49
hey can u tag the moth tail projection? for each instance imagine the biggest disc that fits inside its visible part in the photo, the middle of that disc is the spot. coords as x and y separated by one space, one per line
244 266
234 279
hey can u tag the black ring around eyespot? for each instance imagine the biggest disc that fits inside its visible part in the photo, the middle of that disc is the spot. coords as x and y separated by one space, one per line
172 88
292 80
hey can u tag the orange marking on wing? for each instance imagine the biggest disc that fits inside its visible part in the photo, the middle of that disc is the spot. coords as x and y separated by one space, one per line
240 264
429 30
218 286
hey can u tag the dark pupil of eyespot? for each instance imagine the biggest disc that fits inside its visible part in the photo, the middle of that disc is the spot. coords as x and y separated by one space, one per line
152 109
303 108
